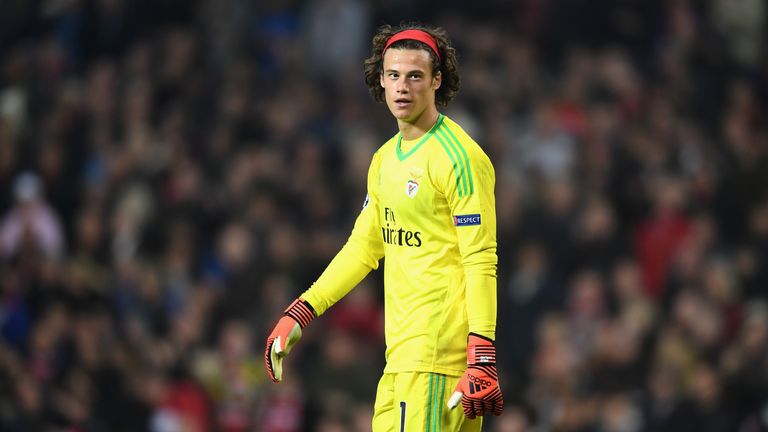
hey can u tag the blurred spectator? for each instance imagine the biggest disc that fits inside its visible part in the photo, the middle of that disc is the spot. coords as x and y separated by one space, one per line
513 419
178 404
341 374
663 400
231 378
543 148
331 50
619 414
705 409
658 239
532 291
596 240
31 226
283 409
360 314
743 25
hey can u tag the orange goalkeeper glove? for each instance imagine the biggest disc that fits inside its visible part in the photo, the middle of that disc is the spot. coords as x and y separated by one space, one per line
478 389
285 334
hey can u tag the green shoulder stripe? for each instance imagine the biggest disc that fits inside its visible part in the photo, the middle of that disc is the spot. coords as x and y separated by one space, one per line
457 169
466 159
461 161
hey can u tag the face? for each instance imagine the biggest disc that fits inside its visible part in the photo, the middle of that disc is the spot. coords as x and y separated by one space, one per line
409 87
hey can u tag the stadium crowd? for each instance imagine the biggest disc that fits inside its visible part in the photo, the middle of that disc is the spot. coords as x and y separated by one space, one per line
172 173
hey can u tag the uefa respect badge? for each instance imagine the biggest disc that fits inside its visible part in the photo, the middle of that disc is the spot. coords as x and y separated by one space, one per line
466 220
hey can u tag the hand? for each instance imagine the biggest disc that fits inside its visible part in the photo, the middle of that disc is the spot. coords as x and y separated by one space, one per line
285 335
478 389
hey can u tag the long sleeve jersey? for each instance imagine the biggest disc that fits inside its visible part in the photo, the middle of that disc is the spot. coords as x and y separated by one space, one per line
430 214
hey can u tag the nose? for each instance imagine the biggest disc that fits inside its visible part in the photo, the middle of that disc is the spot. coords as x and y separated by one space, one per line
401 86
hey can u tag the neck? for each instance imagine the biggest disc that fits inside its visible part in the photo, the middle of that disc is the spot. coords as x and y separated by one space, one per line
420 126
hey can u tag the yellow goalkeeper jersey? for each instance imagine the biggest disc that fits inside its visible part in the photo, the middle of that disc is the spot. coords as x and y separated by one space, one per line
430 213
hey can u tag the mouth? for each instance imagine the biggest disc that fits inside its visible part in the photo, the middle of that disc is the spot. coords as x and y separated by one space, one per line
402 103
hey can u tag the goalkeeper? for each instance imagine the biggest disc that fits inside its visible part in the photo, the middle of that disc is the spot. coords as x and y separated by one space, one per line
430 213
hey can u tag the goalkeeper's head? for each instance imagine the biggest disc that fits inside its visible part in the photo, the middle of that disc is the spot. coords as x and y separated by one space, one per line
415 36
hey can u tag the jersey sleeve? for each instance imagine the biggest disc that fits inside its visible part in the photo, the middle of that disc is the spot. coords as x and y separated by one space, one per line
361 253
467 179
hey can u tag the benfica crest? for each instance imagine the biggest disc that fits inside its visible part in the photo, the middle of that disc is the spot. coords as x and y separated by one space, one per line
411 188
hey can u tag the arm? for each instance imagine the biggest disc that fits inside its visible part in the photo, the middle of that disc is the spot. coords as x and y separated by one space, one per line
357 258
469 191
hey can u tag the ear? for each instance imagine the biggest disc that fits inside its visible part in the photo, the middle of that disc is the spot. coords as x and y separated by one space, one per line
437 80
381 79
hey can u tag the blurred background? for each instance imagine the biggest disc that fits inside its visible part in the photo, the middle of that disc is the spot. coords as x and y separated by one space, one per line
174 172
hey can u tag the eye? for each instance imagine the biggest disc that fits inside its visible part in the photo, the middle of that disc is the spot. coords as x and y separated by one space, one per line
392 75
415 76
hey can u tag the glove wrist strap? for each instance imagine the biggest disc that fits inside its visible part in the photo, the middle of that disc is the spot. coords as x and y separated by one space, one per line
480 350
301 311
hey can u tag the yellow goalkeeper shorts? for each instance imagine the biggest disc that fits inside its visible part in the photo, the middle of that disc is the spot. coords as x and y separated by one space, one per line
417 402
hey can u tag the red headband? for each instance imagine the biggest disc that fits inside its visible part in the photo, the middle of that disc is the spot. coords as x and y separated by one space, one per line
417 35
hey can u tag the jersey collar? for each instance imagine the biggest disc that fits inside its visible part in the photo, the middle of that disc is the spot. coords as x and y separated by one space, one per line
402 156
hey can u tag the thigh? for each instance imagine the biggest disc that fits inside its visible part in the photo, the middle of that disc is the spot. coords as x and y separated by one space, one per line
384 415
419 403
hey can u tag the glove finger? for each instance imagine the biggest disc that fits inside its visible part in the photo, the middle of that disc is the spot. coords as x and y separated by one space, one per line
478 407
490 407
288 341
475 408
485 407
466 405
498 405
276 359
455 398
469 414
277 346
268 360
498 408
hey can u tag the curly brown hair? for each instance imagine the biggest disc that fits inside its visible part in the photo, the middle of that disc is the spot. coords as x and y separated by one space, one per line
449 69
